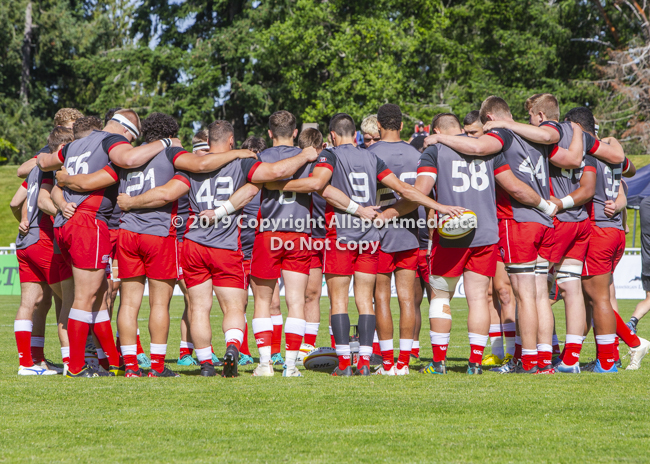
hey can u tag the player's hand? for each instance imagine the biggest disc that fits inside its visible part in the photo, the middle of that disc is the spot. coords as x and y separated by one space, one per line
124 201
23 227
69 210
557 203
310 153
495 125
452 211
430 140
367 213
610 208
576 127
176 142
207 213
241 154
62 176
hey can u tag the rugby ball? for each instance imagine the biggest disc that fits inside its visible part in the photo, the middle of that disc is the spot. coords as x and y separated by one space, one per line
305 349
457 227
322 359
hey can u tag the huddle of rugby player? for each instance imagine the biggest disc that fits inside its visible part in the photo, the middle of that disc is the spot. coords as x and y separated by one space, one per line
98 214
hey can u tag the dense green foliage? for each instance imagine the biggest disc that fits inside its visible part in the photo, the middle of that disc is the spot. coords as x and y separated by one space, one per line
242 60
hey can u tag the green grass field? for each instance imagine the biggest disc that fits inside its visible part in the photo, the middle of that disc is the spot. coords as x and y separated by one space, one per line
320 419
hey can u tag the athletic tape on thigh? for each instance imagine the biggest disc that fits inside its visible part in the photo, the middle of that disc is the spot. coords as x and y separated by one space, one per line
445 284
569 272
541 266
522 269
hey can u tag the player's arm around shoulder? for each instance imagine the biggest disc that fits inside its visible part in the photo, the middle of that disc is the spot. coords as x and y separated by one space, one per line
178 186
191 162
544 134
270 172
570 158
87 182
25 168
485 145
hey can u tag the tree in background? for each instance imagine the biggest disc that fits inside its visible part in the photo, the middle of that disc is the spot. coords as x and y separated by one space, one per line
242 60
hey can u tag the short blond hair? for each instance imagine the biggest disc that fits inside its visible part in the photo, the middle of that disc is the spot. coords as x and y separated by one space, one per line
369 125
65 115
493 105
545 103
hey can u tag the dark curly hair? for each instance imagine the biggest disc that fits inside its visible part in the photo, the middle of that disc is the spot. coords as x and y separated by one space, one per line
110 113
159 126
389 116
254 144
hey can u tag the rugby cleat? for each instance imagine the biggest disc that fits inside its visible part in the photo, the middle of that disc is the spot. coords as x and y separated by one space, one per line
376 360
474 369
143 361
545 370
363 370
382 371
245 360
264 370
632 324
596 368
434 368
305 349
277 359
86 372
564 369
34 370
291 372
207 370
230 362
347 372
507 367
403 371
117 371
131 373
637 354
49 366
215 360
519 369
166 372
491 361
187 360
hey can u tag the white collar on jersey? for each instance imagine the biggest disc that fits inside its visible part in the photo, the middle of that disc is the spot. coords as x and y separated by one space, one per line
126 123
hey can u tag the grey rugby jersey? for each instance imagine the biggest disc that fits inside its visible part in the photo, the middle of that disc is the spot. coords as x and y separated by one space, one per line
608 180
567 181
356 172
402 159
156 172
85 156
285 206
210 190
40 224
467 181
529 163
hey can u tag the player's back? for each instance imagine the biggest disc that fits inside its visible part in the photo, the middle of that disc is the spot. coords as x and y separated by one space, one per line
529 163
86 156
156 172
40 224
356 175
285 206
608 180
209 191
467 181
402 159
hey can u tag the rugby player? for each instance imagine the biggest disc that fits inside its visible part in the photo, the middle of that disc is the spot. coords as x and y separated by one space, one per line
605 249
35 252
399 245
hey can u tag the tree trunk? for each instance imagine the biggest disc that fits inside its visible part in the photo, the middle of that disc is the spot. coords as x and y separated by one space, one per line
27 55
